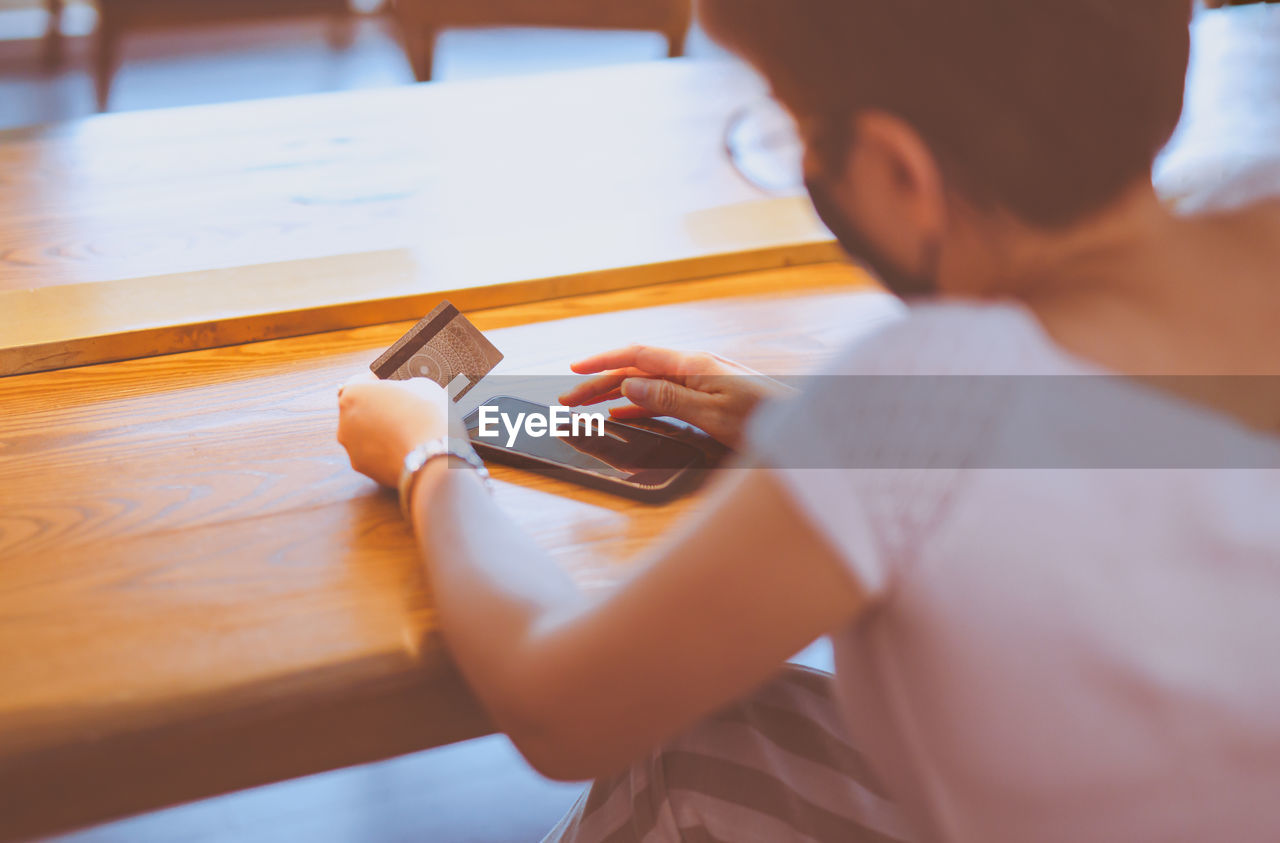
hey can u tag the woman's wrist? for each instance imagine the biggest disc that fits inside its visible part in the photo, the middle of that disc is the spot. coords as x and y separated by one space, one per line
425 466
428 481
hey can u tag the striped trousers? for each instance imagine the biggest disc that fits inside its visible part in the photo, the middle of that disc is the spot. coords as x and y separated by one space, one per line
774 768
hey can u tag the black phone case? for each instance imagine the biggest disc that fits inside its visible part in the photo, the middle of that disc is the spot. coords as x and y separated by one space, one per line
686 479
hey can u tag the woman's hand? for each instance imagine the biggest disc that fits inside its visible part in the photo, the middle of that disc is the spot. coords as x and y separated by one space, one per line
702 389
380 422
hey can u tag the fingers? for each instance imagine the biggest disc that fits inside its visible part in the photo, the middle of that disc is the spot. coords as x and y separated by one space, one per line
657 361
379 421
598 389
362 377
661 397
630 411
366 383
618 365
603 398
425 388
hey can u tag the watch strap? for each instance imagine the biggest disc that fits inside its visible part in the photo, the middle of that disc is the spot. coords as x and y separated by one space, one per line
433 449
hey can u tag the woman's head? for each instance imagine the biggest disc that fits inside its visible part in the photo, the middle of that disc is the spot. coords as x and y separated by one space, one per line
1043 111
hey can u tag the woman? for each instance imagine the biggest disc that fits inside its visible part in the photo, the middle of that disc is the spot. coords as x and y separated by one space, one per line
1054 609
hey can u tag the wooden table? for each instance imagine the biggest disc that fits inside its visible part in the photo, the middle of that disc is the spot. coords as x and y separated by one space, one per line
197 594
137 234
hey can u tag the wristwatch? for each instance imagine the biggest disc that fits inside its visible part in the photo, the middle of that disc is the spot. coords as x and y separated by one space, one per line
418 458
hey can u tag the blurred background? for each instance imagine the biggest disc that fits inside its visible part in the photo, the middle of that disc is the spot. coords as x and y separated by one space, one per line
66 59
185 52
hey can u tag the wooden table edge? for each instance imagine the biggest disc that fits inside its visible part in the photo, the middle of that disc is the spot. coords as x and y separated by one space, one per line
187 330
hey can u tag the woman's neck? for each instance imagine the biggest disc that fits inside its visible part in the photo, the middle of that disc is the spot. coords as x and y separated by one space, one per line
1149 293
1139 289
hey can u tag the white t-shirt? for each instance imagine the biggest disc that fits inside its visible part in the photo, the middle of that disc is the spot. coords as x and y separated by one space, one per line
1064 641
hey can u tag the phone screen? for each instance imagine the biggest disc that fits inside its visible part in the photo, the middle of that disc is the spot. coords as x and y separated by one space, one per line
622 453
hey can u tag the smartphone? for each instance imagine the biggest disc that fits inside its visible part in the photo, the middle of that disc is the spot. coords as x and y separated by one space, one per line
595 451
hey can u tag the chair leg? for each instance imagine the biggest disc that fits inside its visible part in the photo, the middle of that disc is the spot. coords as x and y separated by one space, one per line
53 43
426 64
678 33
676 43
420 48
417 35
106 59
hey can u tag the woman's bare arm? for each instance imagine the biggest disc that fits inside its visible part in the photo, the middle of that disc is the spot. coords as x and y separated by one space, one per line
584 686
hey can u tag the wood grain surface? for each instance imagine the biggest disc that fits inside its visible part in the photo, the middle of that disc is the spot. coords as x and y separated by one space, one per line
136 234
197 594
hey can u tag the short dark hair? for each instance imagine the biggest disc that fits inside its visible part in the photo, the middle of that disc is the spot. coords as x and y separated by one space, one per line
1047 108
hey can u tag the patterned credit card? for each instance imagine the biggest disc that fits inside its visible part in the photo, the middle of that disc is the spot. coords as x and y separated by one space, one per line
444 347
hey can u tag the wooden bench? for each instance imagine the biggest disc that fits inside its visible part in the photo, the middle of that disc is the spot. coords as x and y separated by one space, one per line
117 18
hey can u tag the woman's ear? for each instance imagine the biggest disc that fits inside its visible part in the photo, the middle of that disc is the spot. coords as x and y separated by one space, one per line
892 170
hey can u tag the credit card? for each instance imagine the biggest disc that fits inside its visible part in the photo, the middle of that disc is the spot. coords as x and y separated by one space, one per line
444 347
